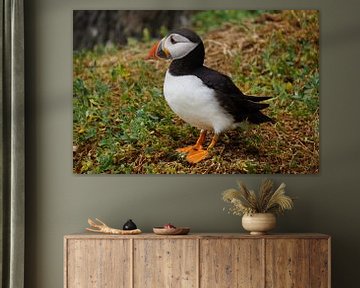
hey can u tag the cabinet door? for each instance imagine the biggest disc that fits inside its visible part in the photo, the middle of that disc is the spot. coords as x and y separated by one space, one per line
297 263
98 263
320 263
231 263
287 263
166 263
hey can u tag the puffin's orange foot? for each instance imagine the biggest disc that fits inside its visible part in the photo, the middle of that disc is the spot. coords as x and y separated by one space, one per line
189 149
197 155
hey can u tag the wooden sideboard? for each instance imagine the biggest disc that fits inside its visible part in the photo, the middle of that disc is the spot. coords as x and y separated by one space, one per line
197 260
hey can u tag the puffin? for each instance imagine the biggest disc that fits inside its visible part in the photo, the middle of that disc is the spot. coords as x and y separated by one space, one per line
203 97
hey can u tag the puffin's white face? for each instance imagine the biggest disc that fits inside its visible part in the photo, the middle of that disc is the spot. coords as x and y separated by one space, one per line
176 46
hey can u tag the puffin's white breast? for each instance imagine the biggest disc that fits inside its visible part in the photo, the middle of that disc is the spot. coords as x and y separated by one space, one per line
195 103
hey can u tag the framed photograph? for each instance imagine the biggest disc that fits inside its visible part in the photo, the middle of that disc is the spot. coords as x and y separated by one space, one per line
196 92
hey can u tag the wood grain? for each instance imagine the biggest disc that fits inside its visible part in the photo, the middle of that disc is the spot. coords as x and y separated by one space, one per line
231 263
165 263
88 235
287 263
98 263
319 263
205 260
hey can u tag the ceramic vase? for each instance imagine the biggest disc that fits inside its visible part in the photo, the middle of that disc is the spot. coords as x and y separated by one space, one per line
259 223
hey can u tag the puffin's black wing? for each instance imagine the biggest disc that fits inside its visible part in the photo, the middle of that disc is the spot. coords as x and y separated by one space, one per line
239 105
217 81
241 108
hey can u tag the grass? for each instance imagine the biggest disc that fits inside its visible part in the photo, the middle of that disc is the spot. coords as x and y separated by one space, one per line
209 20
122 123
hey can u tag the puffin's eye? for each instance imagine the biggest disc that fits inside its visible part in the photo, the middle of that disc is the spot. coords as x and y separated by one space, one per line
172 40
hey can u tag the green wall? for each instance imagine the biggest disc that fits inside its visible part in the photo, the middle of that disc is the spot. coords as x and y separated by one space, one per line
58 203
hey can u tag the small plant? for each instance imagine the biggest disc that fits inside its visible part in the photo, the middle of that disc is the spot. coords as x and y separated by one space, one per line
247 202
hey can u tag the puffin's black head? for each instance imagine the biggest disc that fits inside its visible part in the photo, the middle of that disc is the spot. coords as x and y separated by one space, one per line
178 44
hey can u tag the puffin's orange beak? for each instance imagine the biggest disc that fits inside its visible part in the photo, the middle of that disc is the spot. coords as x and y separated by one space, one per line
158 51
152 52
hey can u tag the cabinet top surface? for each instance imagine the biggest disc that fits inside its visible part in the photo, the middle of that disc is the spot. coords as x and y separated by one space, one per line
87 235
